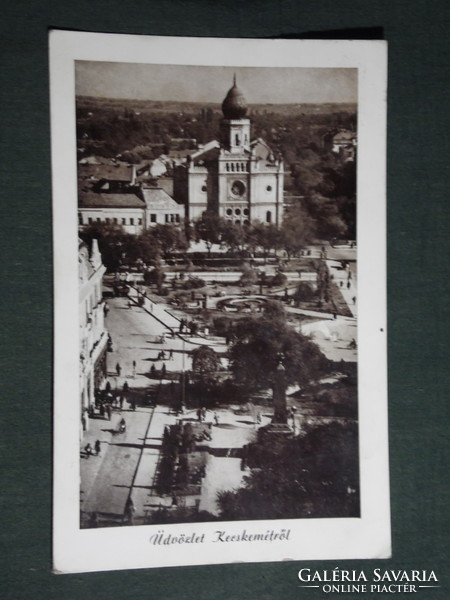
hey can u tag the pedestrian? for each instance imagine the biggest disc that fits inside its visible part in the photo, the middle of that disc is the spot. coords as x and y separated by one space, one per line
97 447
258 417
121 402
108 411
102 410
118 369
348 285
203 413
126 387
216 419
163 355
152 371
354 299
106 309
171 354
133 404
163 370
134 369
88 450
130 509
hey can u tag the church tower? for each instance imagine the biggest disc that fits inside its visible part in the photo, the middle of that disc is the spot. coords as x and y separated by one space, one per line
238 178
235 127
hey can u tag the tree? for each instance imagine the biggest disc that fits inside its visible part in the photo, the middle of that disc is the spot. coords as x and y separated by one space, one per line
156 276
268 237
326 213
145 247
297 230
249 276
233 236
205 365
314 475
170 238
260 344
279 279
304 292
111 242
209 229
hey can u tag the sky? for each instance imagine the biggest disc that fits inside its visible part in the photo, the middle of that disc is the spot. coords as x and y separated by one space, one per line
260 85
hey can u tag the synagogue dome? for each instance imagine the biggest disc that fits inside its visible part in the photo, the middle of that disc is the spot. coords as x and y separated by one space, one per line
235 105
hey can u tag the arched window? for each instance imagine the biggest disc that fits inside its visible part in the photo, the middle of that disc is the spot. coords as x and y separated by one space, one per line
268 216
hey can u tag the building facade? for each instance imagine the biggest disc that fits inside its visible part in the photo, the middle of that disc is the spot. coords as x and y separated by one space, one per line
135 209
239 179
93 334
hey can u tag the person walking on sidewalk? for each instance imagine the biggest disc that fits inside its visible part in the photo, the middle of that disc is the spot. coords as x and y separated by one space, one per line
130 509
118 369
97 447
108 411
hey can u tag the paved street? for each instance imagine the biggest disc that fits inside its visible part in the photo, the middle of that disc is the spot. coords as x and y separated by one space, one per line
127 464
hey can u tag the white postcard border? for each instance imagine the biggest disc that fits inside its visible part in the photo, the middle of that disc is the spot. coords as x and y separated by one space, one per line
77 550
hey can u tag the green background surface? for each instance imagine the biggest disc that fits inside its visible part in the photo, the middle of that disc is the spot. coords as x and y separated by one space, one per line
418 284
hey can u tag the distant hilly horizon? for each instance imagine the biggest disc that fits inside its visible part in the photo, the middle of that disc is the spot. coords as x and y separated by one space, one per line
180 106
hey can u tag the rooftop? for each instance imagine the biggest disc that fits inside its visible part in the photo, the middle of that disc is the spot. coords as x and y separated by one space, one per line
96 200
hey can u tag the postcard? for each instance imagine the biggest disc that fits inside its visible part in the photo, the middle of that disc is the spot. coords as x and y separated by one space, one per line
220 370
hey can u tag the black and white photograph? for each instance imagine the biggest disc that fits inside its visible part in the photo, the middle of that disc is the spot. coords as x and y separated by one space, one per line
220 359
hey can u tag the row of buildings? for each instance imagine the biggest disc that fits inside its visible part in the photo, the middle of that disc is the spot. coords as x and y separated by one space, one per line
93 336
